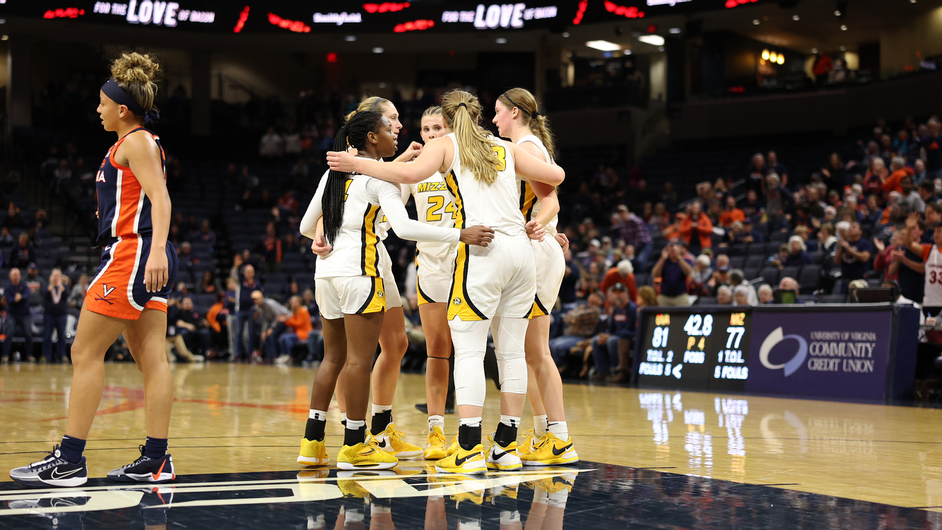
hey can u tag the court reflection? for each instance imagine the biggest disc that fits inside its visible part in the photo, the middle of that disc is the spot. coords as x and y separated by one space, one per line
600 497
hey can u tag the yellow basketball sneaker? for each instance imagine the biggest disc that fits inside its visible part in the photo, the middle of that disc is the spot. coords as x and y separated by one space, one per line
313 453
527 444
392 441
365 456
552 452
503 458
453 446
435 450
463 462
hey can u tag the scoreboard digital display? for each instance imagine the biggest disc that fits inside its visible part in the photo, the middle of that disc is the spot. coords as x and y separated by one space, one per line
695 350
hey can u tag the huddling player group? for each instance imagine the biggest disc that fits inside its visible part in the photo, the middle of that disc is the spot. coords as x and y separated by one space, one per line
488 259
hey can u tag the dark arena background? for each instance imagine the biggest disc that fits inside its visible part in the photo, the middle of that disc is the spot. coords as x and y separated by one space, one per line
762 178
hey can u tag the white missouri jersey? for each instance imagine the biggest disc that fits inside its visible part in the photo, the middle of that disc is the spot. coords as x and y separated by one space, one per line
530 205
494 205
434 205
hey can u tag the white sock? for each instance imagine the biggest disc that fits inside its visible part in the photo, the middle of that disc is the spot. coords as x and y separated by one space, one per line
376 509
355 424
510 421
470 422
343 417
560 430
319 415
539 425
381 408
436 421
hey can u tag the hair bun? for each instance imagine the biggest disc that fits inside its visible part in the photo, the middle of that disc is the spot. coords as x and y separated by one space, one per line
135 68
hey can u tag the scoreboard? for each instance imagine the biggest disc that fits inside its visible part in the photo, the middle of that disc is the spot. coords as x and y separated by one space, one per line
694 350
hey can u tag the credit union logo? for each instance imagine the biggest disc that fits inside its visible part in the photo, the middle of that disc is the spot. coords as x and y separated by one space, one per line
772 340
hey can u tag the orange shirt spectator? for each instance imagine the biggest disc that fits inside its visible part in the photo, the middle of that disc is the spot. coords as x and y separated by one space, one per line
300 323
622 273
892 182
703 227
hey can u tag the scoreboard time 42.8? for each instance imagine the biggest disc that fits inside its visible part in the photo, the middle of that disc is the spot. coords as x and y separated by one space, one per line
705 350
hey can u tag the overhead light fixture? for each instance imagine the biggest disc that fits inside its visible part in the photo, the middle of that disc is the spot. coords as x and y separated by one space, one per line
755 22
378 50
843 48
765 55
814 50
837 13
653 40
781 59
627 51
565 34
5 37
605 46
773 57
674 31
796 18
350 38
3 21
843 27
500 40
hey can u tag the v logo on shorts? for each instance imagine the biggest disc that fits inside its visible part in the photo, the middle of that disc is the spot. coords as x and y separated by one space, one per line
106 292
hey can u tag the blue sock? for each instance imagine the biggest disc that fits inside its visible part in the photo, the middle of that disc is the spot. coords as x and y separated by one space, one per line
71 449
155 447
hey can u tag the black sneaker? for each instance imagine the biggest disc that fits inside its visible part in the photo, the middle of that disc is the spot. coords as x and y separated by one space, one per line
145 469
52 471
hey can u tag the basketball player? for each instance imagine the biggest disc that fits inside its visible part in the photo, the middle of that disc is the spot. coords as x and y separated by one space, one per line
129 293
350 290
517 117
930 266
393 340
492 287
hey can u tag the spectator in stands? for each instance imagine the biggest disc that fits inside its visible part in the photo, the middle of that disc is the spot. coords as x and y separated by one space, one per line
790 284
834 174
669 197
174 339
209 284
634 231
6 240
919 172
876 175
207 236
217 320
582 322
622 273
724 295
272 145
61 173
18 314
23 254
290 244
933 219
696 229
619 331
750 234
193 329
14 219
741 296
779 202
737 279
777 167
659 220
731 213
805 234
245 312
300 328
908 264
270 249
826 238
778 260
926 192
271 316
765 294
853 255
299 169
932 150
755 176
797 253
909 197
754 207
871 211
704 194
884 255
567 290
592 254
182 291
701 275
672 269
77 295
292 141
898 170
55 316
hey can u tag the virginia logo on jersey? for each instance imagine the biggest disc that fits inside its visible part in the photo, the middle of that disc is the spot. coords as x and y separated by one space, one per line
100 177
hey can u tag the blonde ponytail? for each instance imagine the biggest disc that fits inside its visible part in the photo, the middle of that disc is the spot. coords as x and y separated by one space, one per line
371 103
476 152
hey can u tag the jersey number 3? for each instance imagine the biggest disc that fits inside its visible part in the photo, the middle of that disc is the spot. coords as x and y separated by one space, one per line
436 203
501 155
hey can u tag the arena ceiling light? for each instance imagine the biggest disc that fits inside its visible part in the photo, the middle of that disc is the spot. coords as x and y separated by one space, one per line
500 40
674 31
378 50
653 40
350 38
603 45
